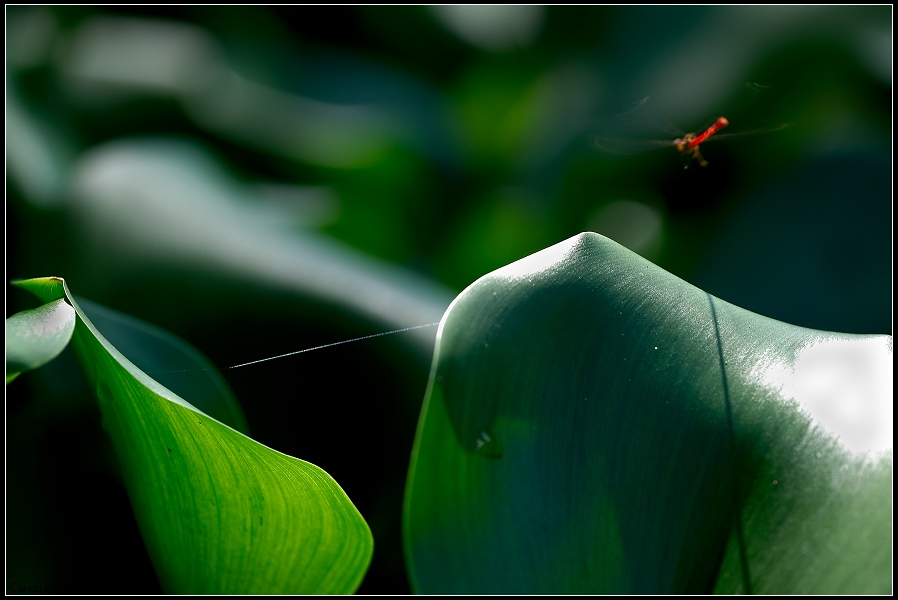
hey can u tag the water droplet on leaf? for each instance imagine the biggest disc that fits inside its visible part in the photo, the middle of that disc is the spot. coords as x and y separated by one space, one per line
488 445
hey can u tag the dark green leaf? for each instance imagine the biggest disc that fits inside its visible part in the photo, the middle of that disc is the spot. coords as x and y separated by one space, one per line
594 424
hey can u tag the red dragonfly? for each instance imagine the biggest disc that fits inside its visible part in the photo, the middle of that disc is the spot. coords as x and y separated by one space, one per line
687 144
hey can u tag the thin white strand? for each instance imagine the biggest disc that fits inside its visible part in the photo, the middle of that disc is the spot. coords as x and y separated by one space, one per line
364 337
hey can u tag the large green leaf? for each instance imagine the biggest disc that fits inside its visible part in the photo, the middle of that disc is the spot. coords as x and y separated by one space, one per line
219 512
35 337
594 424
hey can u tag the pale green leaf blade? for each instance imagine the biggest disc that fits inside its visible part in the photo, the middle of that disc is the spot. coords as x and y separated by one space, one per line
35 337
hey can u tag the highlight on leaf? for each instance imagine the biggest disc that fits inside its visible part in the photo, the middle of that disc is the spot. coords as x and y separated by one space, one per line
35 337
595 425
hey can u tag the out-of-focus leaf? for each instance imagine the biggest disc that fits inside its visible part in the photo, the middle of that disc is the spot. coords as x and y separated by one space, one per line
170 202
496 28
219 512
594 424
39 155
35 337
127 56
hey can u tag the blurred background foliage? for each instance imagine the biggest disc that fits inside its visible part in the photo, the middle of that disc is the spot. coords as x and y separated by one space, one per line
261 180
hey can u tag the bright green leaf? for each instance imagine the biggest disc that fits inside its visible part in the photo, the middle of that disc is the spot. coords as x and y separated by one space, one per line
594 424
219 512
35 337
169 360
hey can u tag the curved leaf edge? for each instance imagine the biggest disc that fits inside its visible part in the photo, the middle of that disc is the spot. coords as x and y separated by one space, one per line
36 336
53 288
879 460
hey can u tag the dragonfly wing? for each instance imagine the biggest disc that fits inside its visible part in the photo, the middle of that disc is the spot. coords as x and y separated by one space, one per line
619 145
735 134
640 129
646 117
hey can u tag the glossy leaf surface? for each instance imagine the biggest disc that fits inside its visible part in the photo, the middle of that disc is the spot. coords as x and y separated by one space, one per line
594 424
35 337
219 512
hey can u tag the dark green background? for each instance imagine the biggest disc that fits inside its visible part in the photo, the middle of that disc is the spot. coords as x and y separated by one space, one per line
482 154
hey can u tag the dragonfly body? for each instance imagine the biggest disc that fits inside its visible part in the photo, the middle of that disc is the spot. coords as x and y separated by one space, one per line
689 143
636 131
